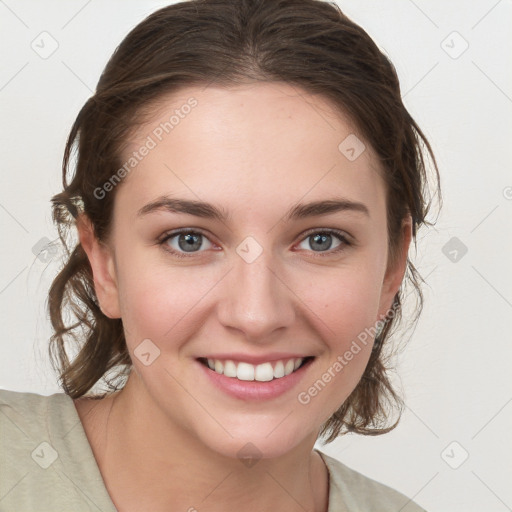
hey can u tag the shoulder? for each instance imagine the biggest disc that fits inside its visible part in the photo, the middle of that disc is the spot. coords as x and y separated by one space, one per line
29 417
46 461
32 403
358 492
24 415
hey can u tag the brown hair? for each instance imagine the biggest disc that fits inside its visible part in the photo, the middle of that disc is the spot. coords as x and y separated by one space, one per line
310 44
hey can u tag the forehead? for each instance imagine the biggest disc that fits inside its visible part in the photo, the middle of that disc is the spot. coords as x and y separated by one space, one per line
255 144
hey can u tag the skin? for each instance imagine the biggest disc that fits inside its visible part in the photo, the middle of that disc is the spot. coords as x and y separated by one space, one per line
169 439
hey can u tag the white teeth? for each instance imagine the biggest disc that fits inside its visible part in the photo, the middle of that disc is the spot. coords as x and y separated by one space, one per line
279 370
244 371
262 372
230 369
288 367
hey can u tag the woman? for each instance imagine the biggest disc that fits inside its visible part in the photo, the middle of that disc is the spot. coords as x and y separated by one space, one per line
247 185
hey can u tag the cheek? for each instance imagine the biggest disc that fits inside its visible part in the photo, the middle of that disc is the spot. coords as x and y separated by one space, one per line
346 301
345 309
158 302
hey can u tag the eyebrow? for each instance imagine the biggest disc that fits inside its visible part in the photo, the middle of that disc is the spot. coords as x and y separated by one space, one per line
210 211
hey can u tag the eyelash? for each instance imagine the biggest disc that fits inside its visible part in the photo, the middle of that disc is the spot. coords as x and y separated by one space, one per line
329 231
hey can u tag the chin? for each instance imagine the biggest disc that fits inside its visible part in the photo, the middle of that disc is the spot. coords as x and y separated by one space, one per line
258 440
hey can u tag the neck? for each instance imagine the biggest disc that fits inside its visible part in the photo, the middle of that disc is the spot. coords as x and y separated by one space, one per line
150 463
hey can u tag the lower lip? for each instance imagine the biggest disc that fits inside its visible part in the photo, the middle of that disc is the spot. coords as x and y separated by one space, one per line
255 390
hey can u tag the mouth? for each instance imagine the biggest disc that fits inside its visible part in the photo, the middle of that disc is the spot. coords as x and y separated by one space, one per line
264 372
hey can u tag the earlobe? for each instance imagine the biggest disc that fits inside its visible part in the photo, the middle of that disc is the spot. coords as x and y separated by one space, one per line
396 270
103 269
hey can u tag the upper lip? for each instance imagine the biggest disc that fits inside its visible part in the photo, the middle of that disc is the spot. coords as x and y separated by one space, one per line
253 359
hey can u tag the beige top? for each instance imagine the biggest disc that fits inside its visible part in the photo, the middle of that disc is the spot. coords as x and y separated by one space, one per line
47 464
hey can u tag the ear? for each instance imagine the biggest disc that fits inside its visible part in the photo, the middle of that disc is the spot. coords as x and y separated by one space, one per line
396 269
103 268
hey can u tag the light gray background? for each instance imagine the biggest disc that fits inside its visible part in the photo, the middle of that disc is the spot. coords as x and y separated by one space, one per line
455 369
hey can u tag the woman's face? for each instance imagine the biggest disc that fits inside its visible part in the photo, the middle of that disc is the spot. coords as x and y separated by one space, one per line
258 275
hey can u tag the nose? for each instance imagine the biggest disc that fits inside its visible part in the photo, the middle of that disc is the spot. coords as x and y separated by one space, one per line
256 300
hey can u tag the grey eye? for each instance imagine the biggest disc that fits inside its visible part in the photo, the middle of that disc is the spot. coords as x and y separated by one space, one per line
320 241
187 242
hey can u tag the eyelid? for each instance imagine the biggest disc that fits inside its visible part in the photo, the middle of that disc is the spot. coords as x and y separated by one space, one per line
175 232
344 238
331 231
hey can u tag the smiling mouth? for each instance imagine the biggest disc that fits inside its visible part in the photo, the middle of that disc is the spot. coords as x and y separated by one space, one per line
264 372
